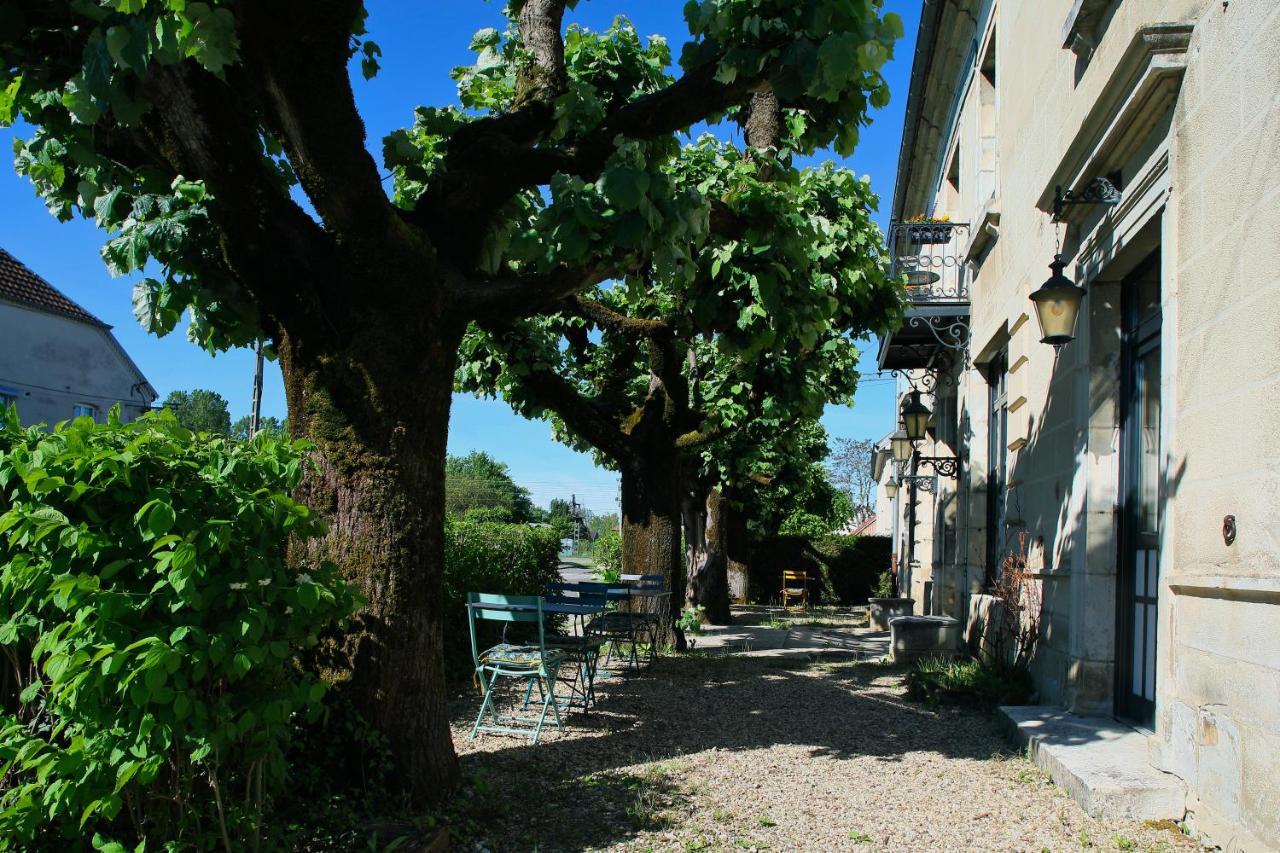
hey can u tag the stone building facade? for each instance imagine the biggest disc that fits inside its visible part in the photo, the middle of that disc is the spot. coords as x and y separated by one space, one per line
58 361
1135 470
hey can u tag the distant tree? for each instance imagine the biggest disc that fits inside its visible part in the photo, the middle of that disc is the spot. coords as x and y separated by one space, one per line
240 429
200 410
599 525
849 468
477 481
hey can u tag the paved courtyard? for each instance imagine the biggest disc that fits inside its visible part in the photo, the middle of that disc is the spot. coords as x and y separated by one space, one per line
787 745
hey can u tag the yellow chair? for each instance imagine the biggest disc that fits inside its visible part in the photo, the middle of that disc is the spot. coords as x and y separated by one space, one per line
795 585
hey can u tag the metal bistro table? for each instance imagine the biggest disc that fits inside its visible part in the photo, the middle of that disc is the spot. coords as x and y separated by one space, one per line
626 625
584 684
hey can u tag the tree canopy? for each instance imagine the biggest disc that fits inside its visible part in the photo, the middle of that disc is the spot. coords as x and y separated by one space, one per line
479 483
200 411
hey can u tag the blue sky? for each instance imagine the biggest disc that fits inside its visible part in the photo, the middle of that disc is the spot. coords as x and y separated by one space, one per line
421 41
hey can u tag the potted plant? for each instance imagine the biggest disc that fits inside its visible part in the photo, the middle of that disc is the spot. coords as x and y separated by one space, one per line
929 230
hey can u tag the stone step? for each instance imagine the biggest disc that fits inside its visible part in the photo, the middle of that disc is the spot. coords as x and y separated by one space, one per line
1101 762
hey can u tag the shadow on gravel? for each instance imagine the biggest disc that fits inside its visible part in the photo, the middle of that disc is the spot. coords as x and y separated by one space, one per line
579 789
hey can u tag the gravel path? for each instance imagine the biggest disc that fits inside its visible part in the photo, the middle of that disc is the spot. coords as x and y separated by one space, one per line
729 752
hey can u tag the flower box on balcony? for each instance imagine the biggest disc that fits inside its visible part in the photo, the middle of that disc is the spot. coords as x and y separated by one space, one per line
929 233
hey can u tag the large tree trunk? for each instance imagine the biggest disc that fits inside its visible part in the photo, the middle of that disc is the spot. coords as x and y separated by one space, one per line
737 551
651 531
704 525
380 421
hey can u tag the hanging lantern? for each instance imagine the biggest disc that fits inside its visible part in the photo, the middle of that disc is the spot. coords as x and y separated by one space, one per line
915 417
1058 306
901 446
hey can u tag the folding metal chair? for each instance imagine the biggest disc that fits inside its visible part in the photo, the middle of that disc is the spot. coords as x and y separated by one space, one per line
536 664
582 648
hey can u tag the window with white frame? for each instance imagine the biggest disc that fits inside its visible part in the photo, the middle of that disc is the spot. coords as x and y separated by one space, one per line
84 410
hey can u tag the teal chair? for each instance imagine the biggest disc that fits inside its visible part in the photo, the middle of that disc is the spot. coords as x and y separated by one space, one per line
535 664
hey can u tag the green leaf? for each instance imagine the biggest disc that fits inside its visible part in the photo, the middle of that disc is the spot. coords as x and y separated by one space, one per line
161 518
625 187
9 101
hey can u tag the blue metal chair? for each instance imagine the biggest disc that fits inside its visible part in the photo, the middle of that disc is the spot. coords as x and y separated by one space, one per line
627 624
583 647
536 664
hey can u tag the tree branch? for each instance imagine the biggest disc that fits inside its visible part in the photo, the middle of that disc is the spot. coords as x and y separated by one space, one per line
698 437
544 78
204 131
606 318
519 295
586 416
297 51
470 190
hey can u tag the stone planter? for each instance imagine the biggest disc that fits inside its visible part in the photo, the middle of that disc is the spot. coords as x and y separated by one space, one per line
915 637
881 610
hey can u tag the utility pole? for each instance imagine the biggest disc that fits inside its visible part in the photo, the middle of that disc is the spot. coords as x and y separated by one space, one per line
255 408
573 518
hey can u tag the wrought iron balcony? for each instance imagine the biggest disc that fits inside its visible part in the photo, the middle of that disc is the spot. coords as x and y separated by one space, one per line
935 329
931 256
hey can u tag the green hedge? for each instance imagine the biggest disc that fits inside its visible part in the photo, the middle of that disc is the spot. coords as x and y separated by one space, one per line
150 628
512 559
845 569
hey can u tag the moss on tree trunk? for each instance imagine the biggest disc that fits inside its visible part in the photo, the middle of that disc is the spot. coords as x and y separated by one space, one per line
380 429
651 532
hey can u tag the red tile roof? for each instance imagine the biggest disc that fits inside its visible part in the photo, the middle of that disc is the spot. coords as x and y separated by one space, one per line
19 284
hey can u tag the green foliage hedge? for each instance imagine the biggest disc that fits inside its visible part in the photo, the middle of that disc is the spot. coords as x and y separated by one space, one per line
843 569
512 559
606 552
148 681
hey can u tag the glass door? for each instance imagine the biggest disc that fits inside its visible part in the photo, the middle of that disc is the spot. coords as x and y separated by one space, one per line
1141 477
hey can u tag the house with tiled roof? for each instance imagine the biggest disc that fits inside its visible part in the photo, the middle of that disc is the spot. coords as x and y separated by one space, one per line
58 361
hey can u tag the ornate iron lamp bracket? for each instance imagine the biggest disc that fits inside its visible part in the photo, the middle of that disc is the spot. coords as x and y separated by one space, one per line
946 466
922 482
950 332
1098 191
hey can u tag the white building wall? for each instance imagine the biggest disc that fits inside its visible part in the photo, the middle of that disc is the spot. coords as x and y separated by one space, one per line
55 363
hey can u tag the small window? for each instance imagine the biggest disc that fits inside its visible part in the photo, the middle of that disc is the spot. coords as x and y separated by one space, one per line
84 410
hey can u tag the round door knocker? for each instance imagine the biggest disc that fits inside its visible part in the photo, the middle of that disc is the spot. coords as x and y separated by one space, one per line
1229 529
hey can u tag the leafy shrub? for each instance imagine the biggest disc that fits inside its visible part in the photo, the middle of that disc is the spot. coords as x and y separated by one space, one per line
606 552
843 569
511 559
690 621
884 584
151 625
806 524
968 682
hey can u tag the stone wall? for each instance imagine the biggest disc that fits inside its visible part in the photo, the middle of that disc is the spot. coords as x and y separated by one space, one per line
1200 162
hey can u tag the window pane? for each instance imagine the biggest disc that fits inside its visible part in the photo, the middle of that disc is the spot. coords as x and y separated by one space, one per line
1149 441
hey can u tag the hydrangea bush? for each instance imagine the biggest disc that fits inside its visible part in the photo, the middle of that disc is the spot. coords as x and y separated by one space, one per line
149 624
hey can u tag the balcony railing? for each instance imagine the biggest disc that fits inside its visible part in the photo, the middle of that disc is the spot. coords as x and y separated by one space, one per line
931 255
